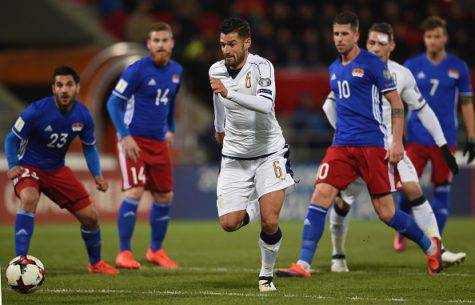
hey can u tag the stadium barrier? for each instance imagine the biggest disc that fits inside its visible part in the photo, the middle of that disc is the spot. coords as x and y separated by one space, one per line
195 196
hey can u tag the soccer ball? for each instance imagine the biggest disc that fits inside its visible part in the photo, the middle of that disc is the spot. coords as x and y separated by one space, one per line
25 273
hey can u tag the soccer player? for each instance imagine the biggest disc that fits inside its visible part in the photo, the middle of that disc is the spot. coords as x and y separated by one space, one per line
381 42
255 157
360 147
35 150
442 78
142 108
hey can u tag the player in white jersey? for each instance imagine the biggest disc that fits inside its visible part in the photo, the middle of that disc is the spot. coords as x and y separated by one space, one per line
381 42
255 160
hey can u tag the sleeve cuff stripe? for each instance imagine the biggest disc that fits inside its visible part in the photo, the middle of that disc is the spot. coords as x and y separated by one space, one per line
16 134
90 143
388 89
119 95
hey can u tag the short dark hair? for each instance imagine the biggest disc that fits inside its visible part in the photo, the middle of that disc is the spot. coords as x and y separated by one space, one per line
433 22
347 17
238 25
160 26
66 70
383 27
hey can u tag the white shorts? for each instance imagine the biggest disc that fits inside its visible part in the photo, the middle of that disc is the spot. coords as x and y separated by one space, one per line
240 181
407 173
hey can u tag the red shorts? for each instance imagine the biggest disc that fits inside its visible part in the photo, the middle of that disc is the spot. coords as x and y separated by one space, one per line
153 170
420 154
60 185
343 164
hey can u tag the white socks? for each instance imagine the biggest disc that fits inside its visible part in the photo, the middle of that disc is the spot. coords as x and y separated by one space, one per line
339 228
269 255
425 219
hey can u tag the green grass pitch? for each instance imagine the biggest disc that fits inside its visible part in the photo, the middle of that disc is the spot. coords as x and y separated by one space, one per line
222 268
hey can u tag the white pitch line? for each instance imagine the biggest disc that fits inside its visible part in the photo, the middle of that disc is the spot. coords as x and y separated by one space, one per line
239 294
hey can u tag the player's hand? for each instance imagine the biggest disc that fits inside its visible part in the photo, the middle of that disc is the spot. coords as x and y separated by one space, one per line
169 137
218 87
101 183
219 136
14 172
395 152
449 159
132 150
470 149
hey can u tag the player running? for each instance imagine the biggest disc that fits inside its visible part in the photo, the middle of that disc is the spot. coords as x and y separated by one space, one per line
255 158
142 108
381 42
35 150
360 147
442 79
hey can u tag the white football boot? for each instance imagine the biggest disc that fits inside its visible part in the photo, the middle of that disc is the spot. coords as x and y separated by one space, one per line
450 258
266 284
339 263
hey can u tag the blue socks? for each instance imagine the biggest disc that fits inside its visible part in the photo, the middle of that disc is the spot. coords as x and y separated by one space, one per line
24 225
405 224
159 218
126 222
92 239
313 227
404 204
440 205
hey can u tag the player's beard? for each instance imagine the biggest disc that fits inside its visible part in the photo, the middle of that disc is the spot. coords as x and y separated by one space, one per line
239 58
64 104
161 58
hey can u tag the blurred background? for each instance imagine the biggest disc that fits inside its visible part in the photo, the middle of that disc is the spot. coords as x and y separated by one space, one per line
100 38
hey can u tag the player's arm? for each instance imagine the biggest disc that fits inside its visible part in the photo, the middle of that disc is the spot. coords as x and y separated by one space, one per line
329 107
468 117
397 120
171 118
219 119
12 145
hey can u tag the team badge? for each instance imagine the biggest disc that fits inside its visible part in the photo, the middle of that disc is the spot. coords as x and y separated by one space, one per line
357 72
454 74
387 74
77 126
421 75
175 78
265 82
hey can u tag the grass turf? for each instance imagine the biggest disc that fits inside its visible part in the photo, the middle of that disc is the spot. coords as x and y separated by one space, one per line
222 268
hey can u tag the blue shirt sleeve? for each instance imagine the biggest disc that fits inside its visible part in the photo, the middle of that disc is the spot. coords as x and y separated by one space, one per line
25 122
381 75
12 144
464 84
92 159
128 82
116 114
87 133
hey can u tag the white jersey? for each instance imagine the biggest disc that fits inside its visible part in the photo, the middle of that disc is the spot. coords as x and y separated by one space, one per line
248 133
407 88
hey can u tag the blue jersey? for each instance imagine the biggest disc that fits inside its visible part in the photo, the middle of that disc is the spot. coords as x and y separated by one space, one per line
149 93
440 85
46 133
358 86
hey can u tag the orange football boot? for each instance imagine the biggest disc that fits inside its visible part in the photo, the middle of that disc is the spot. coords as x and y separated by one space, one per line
160 258
102 267
294 271
125 259
434 262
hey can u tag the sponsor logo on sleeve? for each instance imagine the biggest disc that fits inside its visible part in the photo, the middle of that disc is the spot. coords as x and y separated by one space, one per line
265 82
357 72
387 75
77 126
19 124
265 91
121 86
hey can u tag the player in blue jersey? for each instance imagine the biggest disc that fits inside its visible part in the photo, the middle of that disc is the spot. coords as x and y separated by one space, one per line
442 79
359 79
142 108
35 150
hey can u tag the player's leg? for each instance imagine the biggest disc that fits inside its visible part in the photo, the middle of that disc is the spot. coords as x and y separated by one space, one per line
273 176
27 189
405 224
270 237
91 234
133 182
417 156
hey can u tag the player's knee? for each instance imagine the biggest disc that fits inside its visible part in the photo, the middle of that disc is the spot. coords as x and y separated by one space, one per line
163 197
324 195
230 223
270 224
385 214
29 200
134 193
90 221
